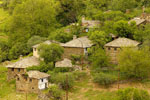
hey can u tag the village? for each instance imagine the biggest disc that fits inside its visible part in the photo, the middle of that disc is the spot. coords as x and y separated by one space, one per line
104 57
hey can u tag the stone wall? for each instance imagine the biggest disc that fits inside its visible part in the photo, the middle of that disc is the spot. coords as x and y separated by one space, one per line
25 84
12 72
113 53
68 51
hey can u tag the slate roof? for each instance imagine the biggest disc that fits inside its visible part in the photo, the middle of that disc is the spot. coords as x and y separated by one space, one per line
25 62
122 42
64 63
90 23
137 20
47 42
82 42
37 74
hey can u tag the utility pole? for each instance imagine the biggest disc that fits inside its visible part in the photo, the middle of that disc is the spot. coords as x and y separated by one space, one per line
118 79
66 86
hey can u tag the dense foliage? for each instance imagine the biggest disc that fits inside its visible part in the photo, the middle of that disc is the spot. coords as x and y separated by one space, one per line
133 94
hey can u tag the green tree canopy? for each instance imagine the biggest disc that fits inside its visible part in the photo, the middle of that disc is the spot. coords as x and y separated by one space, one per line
32 18
134 63
50 53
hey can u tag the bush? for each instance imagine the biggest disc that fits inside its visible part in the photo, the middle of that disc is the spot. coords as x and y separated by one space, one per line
79 75
60 79
43 67
134 63
133 94
57 70
55 93
75 58
104 79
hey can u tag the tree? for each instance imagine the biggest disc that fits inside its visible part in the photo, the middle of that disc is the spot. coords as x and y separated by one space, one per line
134 63
50 53
61 35
98 58
123 5
98 38
32 18
123 29
35 40
17 50
133 94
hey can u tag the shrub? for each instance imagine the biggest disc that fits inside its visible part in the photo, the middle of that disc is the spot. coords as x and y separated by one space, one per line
79 75
60 79
75 58
57 70
104 79
55 92
133 94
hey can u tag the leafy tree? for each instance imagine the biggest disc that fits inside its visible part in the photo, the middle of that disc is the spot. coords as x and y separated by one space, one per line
61 35
133 94
98 58
123 5
50 53
35 40
55 93
60 79
123 29
70 10
17 50
4 50
43 67
98 37
32 18
134 63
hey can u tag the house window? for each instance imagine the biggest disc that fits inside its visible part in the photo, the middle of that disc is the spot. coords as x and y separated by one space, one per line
30 80
86 30
109 48
32 87
12 69
34 49
115 49
18 79
19 70
42 80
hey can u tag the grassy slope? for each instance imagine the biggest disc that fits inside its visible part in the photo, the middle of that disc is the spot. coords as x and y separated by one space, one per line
7 89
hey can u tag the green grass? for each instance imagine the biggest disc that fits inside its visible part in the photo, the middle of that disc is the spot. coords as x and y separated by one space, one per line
8 90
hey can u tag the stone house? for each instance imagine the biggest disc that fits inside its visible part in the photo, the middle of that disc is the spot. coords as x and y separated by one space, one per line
89 24
113 48
139 21
32 82
77 46
20 66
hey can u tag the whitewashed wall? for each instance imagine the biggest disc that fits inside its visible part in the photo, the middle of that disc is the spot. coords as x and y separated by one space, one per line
41 85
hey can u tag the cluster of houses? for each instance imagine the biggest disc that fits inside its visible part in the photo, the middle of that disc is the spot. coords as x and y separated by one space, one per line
34 81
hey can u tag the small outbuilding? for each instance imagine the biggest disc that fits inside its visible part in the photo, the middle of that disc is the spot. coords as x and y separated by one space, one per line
113 48
20 66
64 63
32 82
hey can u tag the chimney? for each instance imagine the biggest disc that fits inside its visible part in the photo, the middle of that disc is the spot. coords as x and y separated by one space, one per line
21 57
74 37
83 18
127 11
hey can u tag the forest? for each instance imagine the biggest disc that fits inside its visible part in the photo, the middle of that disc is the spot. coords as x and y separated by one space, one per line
25 23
